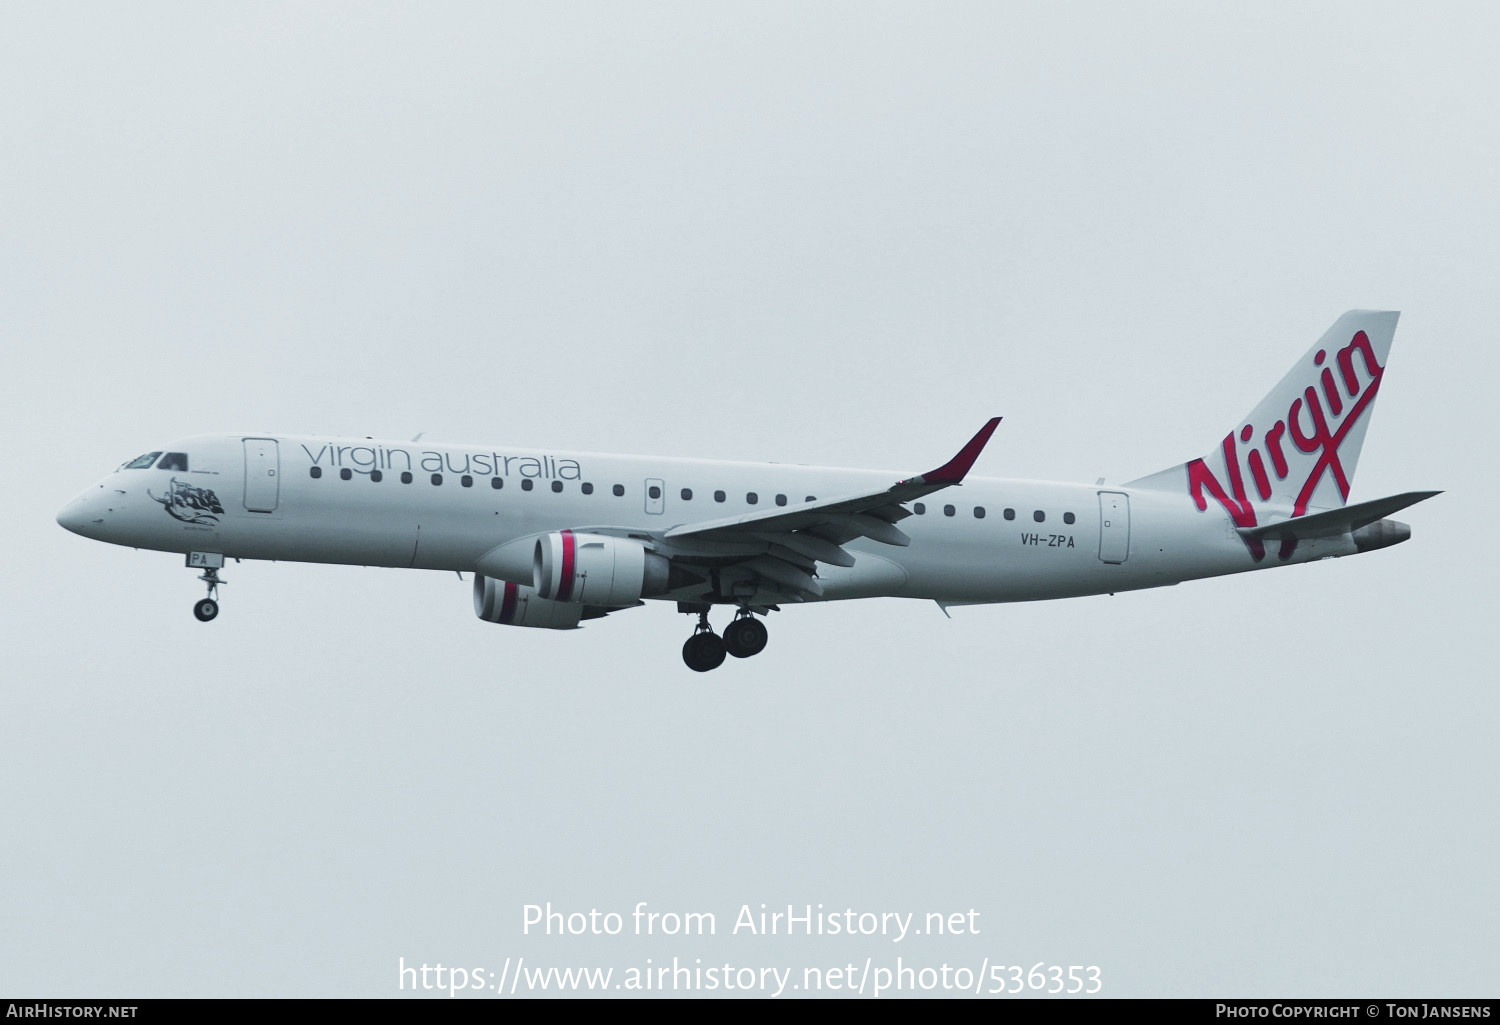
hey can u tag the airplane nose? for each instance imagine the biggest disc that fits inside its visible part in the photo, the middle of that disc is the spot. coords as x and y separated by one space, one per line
83 515
71 517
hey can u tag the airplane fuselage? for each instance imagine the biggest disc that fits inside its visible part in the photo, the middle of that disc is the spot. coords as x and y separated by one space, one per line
442 507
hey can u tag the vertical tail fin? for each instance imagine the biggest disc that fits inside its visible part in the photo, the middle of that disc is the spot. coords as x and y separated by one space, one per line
1297 450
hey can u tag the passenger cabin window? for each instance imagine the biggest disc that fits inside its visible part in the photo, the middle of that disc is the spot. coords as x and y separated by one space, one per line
142 462
173 461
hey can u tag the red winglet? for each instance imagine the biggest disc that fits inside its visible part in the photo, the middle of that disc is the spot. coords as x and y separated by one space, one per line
955 469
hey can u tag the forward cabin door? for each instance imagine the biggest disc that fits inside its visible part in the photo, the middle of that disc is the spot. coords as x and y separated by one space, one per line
262 474
1114 527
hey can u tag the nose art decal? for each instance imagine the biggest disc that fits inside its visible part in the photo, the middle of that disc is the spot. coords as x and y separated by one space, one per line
189 504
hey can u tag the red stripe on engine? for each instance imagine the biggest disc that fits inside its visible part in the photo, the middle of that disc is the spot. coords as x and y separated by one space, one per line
565 585
508 604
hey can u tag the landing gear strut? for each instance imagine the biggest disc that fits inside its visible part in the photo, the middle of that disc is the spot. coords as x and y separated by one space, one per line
704 650
208 608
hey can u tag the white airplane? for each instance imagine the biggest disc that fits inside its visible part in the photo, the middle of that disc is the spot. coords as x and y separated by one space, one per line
555 538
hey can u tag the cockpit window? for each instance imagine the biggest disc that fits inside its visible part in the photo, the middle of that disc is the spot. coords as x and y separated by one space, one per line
173 461
141 462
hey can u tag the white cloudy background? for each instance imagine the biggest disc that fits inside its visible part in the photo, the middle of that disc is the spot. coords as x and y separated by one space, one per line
825 233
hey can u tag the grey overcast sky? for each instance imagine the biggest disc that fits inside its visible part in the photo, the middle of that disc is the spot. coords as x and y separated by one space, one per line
836 233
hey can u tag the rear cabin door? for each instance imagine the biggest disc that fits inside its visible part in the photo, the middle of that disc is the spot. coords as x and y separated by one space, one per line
262 474
1114 527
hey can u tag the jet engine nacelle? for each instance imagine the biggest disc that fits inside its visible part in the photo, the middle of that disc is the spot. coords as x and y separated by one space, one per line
496 601
597 570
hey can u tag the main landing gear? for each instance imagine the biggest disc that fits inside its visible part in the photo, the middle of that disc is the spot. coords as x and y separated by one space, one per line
743 637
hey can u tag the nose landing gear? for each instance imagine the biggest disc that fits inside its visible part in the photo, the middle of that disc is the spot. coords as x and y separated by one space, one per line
207 608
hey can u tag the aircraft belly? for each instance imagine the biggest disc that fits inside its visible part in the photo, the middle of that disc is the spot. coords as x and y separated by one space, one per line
870 577
1010 569
349 536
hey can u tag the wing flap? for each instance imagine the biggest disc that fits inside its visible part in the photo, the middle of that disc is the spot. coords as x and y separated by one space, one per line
873 527
811 547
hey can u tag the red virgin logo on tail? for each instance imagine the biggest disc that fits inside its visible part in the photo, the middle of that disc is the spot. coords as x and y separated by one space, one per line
1316 425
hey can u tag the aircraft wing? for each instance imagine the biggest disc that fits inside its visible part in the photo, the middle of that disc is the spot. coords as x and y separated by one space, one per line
784 545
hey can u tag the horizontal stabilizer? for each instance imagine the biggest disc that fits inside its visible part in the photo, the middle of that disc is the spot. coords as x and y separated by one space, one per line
1335 521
